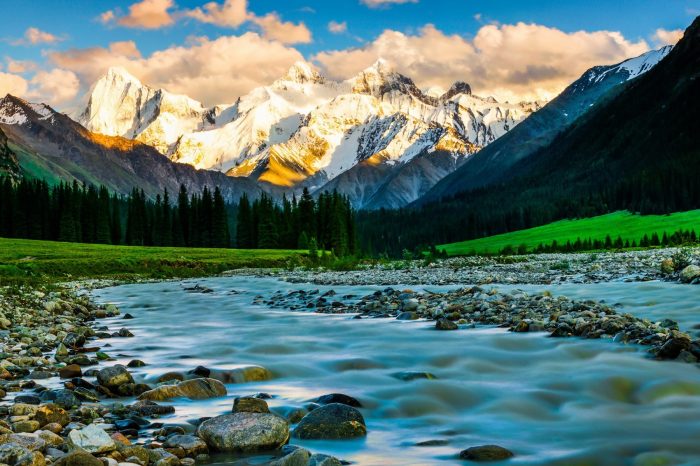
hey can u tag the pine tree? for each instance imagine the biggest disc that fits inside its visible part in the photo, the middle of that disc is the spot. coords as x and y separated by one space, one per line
244 224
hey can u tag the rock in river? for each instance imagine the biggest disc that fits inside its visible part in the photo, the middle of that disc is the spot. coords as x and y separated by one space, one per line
338 398
486 453
250 404
244 432
191 445
690 273
445 324
115 376
92 439
195 389
332 421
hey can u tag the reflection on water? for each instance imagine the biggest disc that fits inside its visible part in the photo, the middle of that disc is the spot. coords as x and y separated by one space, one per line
551 401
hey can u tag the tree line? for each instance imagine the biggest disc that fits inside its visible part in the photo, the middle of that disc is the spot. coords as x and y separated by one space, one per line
75 213
677 238
326 223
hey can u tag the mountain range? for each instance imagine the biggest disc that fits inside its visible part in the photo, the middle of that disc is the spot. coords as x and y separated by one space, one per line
636 148
305 130
375 137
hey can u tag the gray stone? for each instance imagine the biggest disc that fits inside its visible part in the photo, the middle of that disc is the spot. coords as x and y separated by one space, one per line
486 453
690 273
332 421
115 376
192 445
92 439
244 432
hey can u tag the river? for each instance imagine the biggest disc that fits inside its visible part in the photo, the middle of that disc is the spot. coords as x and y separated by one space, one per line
551 401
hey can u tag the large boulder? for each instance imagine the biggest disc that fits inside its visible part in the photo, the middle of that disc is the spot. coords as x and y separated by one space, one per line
332 421
486 453
244 432
92 439
114 377
195 389
690 273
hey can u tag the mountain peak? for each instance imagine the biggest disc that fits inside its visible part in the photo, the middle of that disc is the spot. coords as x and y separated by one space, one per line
459 87
381 67
302 72
118 73
380 79
17 111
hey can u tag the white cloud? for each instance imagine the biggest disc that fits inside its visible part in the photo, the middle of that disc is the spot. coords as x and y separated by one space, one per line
21 66
232 13
54 87
384 3
154 14
520 61
146 14
665 37
212 71
338 28
35 36
12 84
283 31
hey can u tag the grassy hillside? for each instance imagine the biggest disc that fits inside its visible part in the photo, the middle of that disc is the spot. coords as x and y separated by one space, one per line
628 226
46 261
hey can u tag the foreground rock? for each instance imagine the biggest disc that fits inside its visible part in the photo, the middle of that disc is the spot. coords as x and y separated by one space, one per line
333 422
690 274
191 445
244 432
92 439
195 389
296 456
486 453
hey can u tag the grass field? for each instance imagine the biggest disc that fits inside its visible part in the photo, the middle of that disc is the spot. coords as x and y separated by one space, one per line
628 226
49 262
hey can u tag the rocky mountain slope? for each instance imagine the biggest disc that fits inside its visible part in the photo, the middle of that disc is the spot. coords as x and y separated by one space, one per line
52 146
8 160
492 162
307 130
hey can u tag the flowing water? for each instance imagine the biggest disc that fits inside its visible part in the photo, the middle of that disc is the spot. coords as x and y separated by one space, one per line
550 401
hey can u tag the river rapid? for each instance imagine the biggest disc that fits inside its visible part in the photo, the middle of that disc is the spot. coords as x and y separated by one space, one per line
550 401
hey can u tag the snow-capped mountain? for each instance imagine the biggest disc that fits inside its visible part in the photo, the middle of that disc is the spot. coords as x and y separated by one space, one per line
304 129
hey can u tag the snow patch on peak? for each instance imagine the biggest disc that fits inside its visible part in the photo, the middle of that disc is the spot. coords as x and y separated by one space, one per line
120 73
643 63
303 72
632 67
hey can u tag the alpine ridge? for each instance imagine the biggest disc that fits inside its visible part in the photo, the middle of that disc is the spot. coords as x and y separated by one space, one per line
41 143
305 130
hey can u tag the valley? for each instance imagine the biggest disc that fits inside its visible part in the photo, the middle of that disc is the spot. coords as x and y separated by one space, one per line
366 233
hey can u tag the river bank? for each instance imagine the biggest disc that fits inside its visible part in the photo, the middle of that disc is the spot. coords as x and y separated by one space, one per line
81 381
599 267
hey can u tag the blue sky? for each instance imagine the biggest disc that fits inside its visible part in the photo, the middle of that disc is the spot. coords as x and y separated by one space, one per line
287 30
